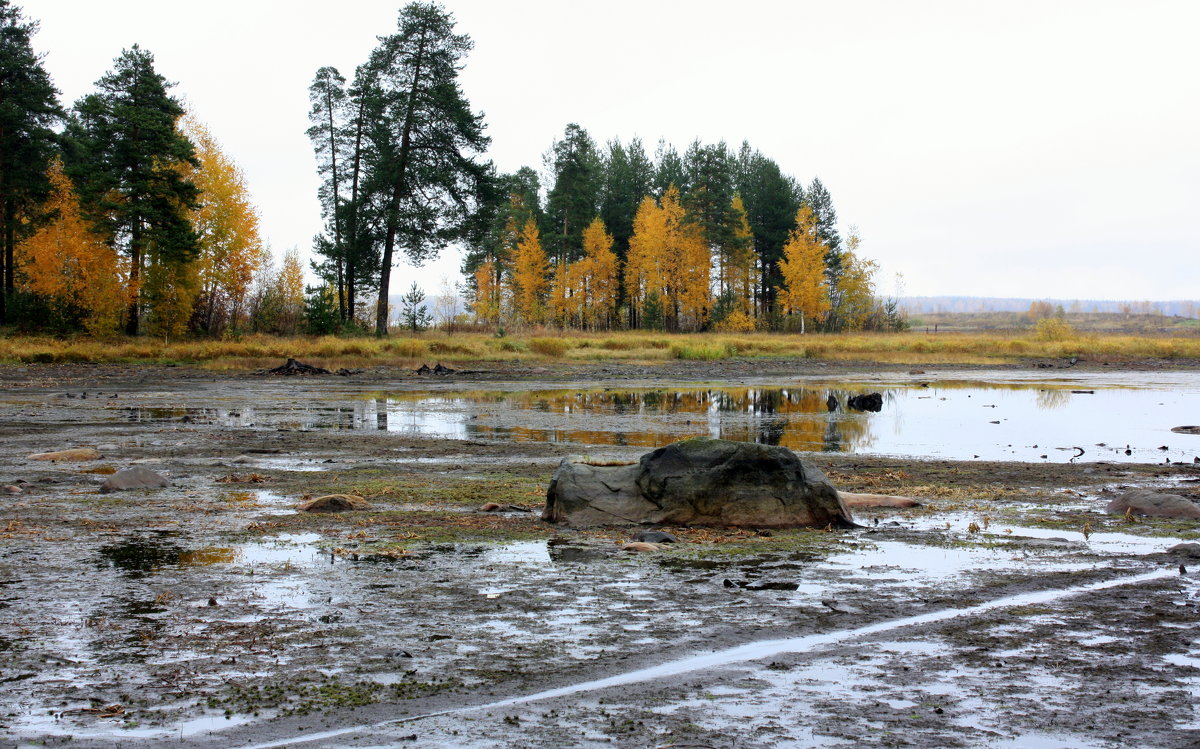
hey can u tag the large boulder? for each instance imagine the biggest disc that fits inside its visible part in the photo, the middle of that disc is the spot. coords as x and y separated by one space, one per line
706 482
1153 504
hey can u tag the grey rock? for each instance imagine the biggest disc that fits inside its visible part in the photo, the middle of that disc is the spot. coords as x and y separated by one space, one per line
704 482
1153 504
1185 550
133 478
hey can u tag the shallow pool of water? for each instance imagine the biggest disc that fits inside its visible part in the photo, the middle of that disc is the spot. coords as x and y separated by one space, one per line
1121 417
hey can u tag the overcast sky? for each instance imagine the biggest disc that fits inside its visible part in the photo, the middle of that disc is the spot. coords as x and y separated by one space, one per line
1009 149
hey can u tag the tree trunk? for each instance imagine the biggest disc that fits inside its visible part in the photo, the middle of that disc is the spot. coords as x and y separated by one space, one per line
135 268
339 248
385 273
352 241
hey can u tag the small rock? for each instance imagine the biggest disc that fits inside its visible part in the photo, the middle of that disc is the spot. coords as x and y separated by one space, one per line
242 460
213 602
491 507
12 489
1191 429
79 453
133 478
641 546
335 503
656 537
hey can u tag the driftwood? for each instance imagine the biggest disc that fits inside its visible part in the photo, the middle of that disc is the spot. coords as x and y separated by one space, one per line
294 367
876 500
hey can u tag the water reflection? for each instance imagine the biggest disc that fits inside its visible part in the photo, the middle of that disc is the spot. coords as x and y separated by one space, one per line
1021 420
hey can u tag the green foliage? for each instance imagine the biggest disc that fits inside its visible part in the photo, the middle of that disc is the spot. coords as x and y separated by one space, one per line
574 198
423 141
320 311
413 314
653 314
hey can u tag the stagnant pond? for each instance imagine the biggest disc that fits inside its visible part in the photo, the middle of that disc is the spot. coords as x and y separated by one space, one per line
993 416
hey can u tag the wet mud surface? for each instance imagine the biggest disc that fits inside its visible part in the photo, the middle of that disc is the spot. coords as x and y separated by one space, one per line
211 613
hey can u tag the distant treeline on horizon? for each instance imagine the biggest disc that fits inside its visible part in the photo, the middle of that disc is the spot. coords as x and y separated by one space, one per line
923 305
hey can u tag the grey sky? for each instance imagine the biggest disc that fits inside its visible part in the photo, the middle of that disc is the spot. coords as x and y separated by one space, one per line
1034 149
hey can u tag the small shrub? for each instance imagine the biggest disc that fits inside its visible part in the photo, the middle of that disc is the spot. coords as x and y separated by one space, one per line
1054 329
549 346
737 322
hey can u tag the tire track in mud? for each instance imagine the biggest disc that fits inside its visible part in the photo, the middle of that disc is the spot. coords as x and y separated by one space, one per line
748 652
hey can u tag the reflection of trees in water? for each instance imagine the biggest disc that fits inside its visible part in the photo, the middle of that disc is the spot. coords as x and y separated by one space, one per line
1050 399
796 418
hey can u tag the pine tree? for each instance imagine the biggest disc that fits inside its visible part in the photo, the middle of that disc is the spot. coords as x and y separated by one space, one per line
129 161
424 141
574 198
413 314
29 111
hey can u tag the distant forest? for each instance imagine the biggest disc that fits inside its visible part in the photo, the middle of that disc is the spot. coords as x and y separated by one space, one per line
923 305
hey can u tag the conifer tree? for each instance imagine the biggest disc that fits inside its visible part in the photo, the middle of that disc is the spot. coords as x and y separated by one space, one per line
574 198
129 161
29 111
425 141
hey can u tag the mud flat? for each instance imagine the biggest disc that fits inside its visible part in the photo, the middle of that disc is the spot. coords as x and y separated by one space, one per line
1008 610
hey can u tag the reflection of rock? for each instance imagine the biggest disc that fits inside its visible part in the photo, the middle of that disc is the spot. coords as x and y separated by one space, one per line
697 482
1154 504
335 503
866 402
1187 430
876 500
133 478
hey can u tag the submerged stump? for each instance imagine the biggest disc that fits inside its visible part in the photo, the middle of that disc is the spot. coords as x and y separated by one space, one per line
700 482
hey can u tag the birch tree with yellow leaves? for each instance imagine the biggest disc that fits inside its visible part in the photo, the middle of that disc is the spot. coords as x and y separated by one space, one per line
81 278
226 224
529 277
804 291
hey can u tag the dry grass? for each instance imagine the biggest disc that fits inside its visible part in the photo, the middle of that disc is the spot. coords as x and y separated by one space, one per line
255 352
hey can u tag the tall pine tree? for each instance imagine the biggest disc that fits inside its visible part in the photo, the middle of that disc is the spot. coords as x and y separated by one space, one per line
29 110
425 141
126 157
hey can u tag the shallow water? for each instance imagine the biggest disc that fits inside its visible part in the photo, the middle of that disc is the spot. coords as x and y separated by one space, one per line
990 415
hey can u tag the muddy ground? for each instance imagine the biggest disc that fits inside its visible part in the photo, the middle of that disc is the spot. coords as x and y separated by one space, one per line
211 613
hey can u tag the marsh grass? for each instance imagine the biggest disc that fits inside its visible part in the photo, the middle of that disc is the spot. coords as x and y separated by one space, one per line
258 352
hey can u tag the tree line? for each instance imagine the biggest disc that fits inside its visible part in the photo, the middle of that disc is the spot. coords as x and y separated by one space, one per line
122 213
710 238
